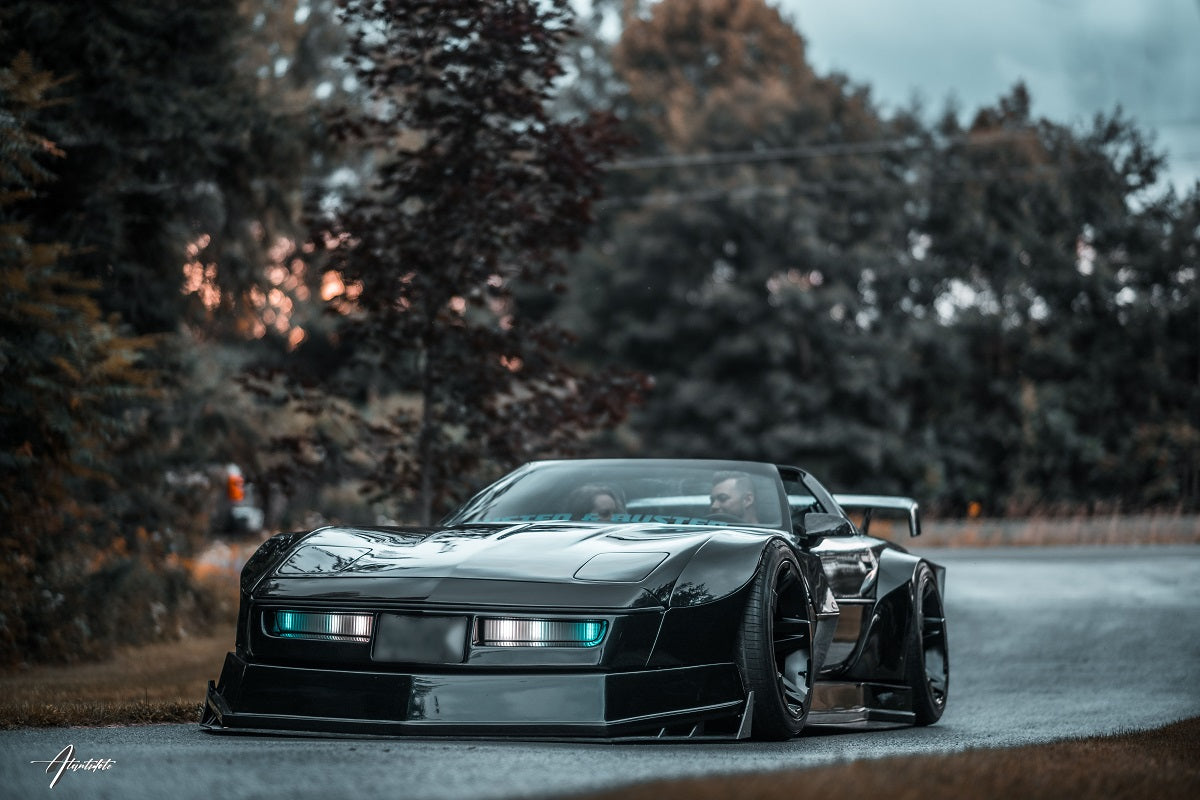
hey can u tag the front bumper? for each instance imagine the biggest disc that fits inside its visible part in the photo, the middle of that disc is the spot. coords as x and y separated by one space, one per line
680 702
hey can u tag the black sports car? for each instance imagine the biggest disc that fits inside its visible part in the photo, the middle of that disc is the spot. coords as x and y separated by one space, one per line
595 598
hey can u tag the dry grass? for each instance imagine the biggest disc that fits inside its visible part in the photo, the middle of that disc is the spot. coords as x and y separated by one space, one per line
1069 530
1163 764
1063 530
161 682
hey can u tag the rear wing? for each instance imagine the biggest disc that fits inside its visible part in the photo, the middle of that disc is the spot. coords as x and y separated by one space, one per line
868 504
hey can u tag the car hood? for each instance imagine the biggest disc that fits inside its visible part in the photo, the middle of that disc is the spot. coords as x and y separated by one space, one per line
548 552
526 564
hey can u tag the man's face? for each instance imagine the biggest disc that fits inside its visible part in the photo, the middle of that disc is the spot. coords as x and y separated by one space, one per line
727 498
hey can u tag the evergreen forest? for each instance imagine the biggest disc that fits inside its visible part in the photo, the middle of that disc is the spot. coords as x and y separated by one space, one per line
375 254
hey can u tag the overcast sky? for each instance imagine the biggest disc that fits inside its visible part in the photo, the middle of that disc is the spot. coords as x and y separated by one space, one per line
1076 56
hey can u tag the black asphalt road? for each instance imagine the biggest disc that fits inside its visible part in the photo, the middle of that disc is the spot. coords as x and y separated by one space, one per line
1045 644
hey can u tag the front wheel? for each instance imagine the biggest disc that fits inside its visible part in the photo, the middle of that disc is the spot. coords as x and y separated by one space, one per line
775 646
927 660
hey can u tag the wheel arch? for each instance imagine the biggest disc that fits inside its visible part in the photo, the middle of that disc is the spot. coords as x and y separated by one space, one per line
779 682
722 566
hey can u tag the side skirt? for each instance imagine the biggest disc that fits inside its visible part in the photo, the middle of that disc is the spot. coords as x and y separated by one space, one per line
860 706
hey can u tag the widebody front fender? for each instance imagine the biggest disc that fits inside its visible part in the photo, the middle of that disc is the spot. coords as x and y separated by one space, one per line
720 567
708 602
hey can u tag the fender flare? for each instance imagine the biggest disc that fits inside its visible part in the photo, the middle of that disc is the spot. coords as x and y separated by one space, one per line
898 568
720 567
267 557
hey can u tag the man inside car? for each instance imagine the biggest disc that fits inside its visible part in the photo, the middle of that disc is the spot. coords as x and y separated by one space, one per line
733 495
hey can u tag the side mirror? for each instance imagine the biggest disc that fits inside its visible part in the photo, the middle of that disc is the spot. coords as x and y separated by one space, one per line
819 526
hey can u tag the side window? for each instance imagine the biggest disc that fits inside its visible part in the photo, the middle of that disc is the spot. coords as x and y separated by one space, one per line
824 498
801 498
805 495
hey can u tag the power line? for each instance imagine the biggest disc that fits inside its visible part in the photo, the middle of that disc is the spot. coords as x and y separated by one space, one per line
753 190
874 147
775 154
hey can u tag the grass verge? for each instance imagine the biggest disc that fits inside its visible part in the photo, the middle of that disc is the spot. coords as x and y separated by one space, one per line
162 682
1162 764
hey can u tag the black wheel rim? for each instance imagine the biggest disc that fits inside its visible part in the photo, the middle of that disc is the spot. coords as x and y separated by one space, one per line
933 644
792 640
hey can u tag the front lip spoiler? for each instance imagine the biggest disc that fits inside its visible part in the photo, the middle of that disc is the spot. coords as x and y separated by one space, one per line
312 727
715 708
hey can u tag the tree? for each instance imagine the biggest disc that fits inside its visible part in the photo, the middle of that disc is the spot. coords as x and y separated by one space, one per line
168 160
188 135
1066 287
69 377
747 260
167 144
477 193
1001 312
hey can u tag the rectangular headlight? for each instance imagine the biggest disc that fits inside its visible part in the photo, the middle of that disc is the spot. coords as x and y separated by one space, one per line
322 625
510 632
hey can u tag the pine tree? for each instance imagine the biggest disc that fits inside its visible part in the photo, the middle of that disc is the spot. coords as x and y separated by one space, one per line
67 375
167 143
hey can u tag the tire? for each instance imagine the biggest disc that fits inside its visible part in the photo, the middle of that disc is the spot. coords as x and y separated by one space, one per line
775 646
927 657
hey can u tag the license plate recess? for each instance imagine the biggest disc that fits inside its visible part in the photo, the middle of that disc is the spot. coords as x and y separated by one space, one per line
420 639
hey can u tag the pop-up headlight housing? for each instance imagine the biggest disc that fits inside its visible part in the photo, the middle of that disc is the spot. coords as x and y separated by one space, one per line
620 567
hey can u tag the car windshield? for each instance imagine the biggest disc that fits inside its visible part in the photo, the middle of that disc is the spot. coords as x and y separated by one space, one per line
633 492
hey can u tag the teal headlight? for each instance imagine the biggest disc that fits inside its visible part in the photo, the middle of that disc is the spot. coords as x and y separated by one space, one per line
324 626
620 567
513 632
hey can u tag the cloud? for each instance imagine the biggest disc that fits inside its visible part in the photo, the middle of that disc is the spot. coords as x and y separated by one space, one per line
1078 57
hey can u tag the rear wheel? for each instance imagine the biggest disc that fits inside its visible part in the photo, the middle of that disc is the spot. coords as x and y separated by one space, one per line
927 662
775 646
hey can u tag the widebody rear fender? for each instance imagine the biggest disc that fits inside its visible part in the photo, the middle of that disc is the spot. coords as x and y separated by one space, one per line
882 649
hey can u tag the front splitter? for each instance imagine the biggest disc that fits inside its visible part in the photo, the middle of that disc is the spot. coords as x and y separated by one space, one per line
683 702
